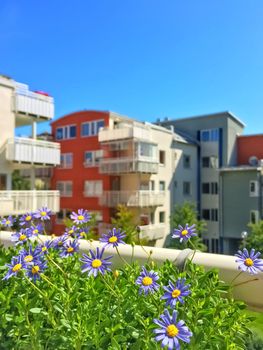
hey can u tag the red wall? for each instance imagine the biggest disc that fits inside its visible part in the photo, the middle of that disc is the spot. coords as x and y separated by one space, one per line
248 146
79 173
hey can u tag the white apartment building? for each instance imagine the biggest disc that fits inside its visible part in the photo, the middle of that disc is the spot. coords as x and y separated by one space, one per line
18 107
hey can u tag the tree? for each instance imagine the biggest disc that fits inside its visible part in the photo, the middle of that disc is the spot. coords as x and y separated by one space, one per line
125 220
254 238
19 182
182 215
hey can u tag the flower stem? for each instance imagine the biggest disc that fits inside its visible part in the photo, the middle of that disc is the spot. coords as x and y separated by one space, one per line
247 281
235 278
122 259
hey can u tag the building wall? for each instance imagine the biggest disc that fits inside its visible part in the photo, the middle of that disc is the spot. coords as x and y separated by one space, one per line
236 204
78 174
249 145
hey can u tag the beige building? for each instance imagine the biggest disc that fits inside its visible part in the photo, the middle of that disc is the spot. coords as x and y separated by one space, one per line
18 107
143 160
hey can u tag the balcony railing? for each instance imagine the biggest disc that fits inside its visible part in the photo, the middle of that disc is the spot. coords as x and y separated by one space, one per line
127 165
132 198
31 103
125 132
19 202
25 150
153 232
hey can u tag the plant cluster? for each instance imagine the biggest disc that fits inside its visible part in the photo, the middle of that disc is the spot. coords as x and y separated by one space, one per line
54 297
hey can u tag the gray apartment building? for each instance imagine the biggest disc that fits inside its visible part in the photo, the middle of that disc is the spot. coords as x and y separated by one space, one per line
215 138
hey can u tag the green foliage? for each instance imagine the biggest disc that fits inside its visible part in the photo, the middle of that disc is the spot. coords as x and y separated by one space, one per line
187 214
19 182
125 220
72 311
255 237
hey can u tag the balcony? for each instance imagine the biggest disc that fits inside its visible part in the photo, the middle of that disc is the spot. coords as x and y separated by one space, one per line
35 104
125 131
153 232
20 202
132 198
25 150
128 165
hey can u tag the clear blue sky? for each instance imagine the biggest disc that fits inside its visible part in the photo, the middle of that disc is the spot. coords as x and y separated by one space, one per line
147 59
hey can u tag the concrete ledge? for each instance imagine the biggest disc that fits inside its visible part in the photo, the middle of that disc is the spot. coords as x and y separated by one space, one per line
250 293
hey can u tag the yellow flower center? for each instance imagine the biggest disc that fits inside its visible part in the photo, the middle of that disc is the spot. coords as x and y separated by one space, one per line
17 267
43 213
184 232
44 249
113 239
71 231
70 249
249 262
60 243
96 263
176 293
8 222
80 217
172 331
28 258
147 281
35 269
22 237
28 218
35 231
82 234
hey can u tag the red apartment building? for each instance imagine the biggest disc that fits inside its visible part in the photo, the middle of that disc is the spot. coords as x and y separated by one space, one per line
78 178
250 149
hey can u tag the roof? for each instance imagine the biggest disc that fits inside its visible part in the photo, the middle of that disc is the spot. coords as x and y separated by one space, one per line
228 113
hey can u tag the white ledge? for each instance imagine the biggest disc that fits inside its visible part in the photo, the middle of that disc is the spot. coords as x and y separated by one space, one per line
250 293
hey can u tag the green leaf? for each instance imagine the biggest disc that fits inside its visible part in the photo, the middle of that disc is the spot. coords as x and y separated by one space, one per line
35 310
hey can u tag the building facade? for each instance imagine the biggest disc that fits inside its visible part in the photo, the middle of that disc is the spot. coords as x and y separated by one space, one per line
109 159
19 106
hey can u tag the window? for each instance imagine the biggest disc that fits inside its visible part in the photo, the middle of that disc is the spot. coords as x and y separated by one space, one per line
91 128
210 162
92 158
214 214
152 185
161 216
162 186
93 188
214 188
254 217
205 162
206 214
253 189
152 217
186 161
65 188
206 242
215 245
66 160
186 188
3 182
211 135
205 187
162 157
66 132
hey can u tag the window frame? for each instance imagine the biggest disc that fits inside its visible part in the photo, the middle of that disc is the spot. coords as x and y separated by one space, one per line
92 126
66 132
64 192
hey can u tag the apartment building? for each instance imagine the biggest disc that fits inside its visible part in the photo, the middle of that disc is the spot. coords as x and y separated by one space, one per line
109 159
216 138
18 107
241 194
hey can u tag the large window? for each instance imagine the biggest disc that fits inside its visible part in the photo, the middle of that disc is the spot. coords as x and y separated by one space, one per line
211 135
91 128
92 158
187 188
66 160
66 132
205 187
93 188
65 188
210 162
206 214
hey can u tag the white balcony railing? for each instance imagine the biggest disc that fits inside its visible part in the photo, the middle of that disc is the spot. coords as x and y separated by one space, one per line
132 198
125 132
19 202
32 151
27 102
153 232
128 165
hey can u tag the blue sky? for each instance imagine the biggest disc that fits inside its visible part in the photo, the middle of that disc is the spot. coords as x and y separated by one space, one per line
147 59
